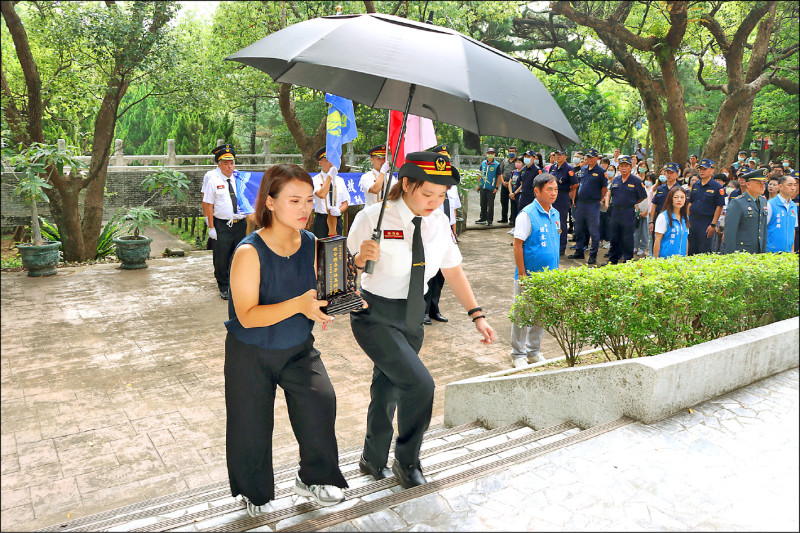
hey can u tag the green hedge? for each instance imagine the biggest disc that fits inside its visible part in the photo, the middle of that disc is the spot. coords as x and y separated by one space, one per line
652 306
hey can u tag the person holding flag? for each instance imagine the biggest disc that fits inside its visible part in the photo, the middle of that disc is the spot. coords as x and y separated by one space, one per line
330 198
371 183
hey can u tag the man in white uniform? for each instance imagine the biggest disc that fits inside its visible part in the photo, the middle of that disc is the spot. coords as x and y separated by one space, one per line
371 183
330 198
226 224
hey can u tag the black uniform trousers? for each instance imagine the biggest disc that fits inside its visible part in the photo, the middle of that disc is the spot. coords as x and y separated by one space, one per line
562 204
504 201
399 380
435 285
621 227
320 227
698 242
228 238
487 204
251 377
587 224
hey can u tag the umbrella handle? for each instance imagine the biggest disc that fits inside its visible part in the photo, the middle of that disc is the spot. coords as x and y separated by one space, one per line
370 266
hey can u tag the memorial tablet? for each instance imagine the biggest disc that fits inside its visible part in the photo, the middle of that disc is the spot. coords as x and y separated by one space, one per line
336 276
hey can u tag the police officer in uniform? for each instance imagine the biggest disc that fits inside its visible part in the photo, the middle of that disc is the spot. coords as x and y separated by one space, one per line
626 191
528 174
416 242
705 206
592 187
746 217
372 182
226 224
507 168
671 171
567 186
330 198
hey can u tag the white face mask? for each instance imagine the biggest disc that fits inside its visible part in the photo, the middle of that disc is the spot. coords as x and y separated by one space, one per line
648 183
527 160
730 189
741 158
576 160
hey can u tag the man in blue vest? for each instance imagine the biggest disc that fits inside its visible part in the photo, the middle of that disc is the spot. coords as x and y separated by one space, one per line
592 188
536 242
782 216
705 206
626 191
567 186
487 187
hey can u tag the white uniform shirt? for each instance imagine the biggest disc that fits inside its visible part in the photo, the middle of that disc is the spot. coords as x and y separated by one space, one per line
340 193
393 269
455 203
215 191
367 180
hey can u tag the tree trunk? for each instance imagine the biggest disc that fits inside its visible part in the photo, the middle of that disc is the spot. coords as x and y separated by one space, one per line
65 212
308 145
253 131
472 141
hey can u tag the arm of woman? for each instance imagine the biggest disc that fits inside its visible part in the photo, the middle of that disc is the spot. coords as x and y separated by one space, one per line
459 284
245 281
657 245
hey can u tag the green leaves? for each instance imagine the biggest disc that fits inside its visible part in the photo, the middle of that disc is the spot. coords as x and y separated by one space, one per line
139 219
654 306
168 182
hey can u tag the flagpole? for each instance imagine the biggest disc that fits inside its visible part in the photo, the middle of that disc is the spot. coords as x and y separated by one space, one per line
376 234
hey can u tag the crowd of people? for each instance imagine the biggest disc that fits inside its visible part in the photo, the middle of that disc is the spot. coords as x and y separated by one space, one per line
269 277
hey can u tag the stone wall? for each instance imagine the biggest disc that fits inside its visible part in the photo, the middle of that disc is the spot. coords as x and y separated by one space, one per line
646 389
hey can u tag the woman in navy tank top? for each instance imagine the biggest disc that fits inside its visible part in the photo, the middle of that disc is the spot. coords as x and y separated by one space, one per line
272 310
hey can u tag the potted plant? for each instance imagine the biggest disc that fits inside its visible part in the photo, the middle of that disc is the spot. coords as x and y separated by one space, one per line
133 250
40 256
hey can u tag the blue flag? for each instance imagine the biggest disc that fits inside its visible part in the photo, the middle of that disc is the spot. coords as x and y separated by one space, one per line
341 127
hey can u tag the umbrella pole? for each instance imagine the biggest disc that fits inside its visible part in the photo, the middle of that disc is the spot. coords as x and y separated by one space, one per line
376 234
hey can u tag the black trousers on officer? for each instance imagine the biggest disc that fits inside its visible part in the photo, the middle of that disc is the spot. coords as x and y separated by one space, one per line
399 380
698 242
621 226
504 201
562 205
435 285
252 375
228 238
320 227
487 204
587 224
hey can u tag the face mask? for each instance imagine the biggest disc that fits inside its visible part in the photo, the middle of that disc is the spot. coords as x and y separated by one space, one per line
648 183
512 155
786 165
662 178
730 189
528 160
642 170
576 160
489 157
610 174
741 158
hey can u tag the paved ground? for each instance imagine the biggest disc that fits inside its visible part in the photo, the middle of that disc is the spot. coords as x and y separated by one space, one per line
112 384
729 464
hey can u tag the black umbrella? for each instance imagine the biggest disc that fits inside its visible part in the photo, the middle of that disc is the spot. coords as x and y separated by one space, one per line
389 62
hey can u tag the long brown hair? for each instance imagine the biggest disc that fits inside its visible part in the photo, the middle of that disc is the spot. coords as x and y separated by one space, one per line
397 189
273 181
668 207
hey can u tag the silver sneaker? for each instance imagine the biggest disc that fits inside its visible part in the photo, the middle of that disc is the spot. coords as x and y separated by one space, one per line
538 358
252 509
324 495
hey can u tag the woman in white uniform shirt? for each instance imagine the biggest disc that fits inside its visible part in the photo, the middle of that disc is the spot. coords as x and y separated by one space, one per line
390 330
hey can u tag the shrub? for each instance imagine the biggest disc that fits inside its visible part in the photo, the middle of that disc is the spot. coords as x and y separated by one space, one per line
654 306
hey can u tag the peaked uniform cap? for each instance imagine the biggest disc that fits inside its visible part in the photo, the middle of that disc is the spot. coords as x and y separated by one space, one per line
223 151
758 175
378 151
320 153
429 166
440 149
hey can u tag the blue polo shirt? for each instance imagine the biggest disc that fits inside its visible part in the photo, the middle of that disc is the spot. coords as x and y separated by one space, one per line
541 249
592 184
628 193
704 199
661 196
565 175
489 174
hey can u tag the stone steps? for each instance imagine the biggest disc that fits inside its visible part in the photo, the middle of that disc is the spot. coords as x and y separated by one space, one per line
449 456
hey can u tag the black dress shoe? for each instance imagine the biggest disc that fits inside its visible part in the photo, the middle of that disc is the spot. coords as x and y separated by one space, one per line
592 260
489 223
480 221
426 320
575 256
502 221
609 263
438 317
408 475
368 468
223 295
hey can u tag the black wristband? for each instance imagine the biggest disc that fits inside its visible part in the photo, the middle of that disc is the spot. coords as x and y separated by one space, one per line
477 317
713 225
479 308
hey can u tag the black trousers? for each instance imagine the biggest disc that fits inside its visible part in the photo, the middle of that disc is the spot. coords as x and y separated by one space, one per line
399 380
487 205
587 224
251 377
562 204
320 227
621 226
504 201
698 242
228 237
435 285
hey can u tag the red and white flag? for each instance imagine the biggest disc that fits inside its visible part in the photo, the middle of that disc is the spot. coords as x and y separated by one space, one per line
419 136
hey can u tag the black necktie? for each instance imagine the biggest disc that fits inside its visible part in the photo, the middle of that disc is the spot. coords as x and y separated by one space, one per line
415 302
447 207
232 192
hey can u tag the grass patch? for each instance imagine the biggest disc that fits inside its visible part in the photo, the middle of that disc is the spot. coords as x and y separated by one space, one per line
588 359
194 242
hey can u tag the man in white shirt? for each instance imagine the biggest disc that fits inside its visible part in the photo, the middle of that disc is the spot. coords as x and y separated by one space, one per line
371 183
330 198
226 225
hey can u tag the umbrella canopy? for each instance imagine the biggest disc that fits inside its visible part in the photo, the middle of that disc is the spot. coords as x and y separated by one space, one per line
374 59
